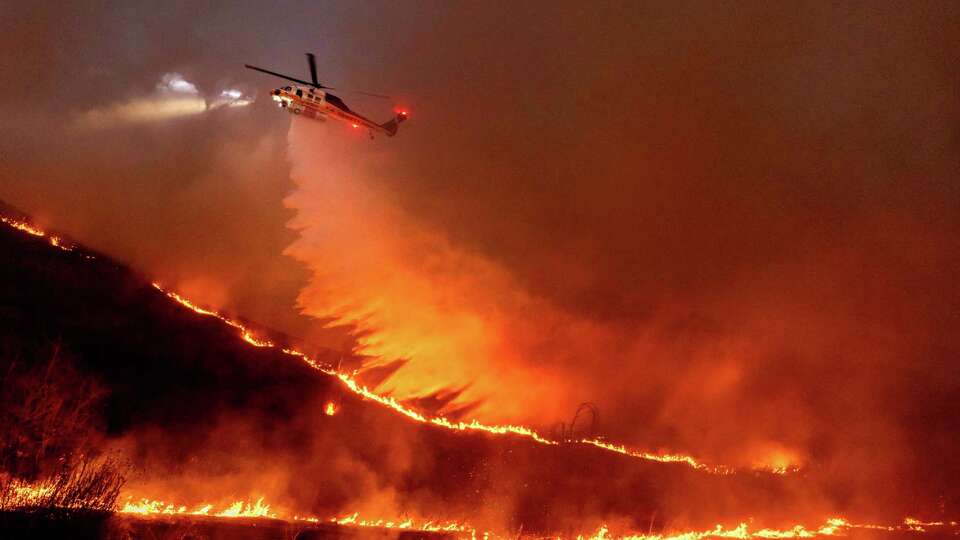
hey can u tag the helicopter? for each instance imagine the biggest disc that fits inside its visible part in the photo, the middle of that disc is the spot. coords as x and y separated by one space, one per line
311 101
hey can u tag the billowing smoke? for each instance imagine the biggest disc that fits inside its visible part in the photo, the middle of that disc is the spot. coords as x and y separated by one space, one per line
411 296
722 263
732 230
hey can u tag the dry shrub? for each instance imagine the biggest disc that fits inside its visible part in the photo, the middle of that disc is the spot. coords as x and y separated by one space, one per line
48 437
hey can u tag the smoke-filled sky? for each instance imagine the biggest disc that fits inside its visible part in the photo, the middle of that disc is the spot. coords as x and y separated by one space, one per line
732 227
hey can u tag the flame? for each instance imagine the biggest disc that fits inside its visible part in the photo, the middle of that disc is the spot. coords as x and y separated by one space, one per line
666 458
835 526
151 507
146 506
914 524
20 494
254 509
245 333
351 383
330 409
54 241
354 520
239 509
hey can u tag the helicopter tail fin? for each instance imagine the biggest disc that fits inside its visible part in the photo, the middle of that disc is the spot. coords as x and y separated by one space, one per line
394 124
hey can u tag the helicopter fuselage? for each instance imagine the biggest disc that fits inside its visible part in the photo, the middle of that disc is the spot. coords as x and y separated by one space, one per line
319 105
311 101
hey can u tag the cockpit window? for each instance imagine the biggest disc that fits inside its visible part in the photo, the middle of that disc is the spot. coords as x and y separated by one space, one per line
337 102
287 88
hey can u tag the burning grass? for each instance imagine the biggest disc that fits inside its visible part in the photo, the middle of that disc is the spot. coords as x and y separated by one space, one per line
87 485
149 507
350 382
48 452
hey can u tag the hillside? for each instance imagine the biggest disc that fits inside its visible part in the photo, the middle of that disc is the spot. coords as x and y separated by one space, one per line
200 415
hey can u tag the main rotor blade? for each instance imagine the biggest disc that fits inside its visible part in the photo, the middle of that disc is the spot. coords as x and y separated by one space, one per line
281 75
371 94
313 69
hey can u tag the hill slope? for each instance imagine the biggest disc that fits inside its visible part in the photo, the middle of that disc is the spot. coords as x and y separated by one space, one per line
203 416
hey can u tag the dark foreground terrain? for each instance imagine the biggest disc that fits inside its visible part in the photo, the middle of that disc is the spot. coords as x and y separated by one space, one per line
98 525
55 525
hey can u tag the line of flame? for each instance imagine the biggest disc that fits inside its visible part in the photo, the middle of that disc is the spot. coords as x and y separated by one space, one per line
23 226
156 507
354 520
833 527
836 526
149 507
351 383
354 386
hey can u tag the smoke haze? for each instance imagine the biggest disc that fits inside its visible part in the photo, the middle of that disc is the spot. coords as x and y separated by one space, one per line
731 227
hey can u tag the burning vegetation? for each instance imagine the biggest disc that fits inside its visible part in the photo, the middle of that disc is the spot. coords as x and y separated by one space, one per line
48 458
221 420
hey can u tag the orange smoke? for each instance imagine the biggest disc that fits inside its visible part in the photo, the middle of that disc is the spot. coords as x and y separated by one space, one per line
354 386
409 292
460 322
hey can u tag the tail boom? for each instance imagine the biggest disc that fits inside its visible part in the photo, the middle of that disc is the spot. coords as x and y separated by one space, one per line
391 127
